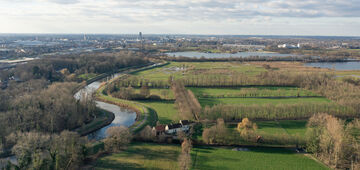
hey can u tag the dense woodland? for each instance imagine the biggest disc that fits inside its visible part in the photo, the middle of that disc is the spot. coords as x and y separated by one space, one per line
37 108
67 68
36 150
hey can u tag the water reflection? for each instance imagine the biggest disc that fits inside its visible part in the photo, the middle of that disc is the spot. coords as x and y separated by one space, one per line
123 117
337 65
227 55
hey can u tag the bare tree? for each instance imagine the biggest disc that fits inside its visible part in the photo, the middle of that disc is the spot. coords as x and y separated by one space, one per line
185 156
118 138
147 134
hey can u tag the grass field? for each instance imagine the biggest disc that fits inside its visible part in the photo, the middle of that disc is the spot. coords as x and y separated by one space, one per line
161 73
291 127
87 76
142 156
165 110
166 94
257 158
294 127
270 127
183 69
158 156
288 127
260 101
253 91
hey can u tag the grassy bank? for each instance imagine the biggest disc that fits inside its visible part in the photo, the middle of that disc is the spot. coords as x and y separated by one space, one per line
102 119
141 110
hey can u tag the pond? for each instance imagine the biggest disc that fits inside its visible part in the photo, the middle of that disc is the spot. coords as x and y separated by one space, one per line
227 55
353 65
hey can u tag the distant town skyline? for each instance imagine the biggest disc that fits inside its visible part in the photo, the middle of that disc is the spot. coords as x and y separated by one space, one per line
233 17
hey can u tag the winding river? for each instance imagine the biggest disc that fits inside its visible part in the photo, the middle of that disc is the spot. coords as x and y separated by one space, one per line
123 116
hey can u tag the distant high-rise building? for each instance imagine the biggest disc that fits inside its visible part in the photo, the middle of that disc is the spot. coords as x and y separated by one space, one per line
141 41
140 36
85 37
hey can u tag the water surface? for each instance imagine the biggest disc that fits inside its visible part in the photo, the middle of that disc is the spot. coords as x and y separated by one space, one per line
123 117
336 65
227 55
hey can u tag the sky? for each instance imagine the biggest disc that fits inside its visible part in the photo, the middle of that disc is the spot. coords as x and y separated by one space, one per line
235 17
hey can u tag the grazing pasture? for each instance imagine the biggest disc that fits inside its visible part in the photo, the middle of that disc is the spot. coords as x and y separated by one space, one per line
166 111
142 156
261 101
254 158
245 92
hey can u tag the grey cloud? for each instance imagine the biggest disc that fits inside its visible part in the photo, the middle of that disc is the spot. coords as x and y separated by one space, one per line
64 1
154 10
214 9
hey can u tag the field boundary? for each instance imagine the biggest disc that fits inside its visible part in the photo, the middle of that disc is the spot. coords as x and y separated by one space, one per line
266 97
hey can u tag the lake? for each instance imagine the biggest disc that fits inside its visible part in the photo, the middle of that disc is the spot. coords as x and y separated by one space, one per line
227 55
336 65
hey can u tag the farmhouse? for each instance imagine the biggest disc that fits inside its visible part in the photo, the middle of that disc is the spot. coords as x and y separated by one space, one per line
183 125
159 129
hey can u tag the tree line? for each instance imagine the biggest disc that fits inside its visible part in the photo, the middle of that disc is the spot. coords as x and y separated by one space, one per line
136 82
186 102
255 92
273 112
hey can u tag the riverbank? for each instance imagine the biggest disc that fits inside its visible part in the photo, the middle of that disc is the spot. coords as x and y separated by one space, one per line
144 115
103 119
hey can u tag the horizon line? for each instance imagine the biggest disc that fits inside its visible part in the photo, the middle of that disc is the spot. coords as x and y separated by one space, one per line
195 34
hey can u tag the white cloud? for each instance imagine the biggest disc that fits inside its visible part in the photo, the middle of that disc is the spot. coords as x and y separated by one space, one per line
166 12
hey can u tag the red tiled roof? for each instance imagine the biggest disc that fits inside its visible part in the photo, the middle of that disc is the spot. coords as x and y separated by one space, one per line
160 128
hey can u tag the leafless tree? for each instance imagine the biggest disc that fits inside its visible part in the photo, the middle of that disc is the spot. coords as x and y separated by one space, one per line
118 138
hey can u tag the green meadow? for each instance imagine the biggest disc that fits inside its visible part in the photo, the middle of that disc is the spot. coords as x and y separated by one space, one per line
214 158
260 101
142 156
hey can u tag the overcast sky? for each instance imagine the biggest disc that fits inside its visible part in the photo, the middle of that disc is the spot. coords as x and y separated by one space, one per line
265 17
